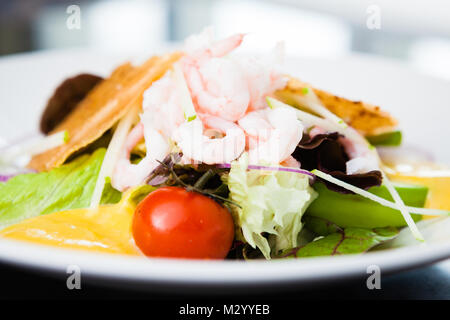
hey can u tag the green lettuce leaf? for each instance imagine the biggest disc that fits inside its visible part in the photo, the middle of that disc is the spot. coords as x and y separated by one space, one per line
346 241
270 202
67 187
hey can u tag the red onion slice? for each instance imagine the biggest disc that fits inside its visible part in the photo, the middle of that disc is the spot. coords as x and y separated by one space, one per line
4 178
258 167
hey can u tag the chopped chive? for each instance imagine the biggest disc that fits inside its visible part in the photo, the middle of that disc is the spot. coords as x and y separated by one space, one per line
66 136
193 117
268 102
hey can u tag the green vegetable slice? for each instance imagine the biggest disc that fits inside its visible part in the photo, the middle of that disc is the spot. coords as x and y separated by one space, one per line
351 210
392 139
67 187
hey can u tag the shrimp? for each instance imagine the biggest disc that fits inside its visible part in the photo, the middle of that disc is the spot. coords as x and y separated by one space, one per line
262 77
127 174
163 100
315 130
291 162
362 159
227 87
198 147
217 84
202 46
222 90
272 134
160 98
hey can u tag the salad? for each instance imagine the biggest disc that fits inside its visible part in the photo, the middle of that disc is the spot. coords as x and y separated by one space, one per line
206 154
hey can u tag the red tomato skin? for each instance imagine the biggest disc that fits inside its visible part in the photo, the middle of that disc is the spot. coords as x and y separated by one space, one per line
173 222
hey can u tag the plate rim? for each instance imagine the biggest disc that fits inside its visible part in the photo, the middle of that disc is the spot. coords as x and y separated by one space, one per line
184 272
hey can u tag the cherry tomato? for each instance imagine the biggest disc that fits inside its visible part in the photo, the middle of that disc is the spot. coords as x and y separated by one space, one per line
173 222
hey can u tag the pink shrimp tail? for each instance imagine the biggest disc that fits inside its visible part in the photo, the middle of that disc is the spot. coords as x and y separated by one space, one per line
225 46
135 135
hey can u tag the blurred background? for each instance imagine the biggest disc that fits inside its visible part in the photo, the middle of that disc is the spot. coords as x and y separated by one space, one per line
416 32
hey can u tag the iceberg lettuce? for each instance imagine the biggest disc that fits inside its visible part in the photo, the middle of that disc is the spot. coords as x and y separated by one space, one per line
270 202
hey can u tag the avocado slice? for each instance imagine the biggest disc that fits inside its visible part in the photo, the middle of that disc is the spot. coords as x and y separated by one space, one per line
351 210
391 139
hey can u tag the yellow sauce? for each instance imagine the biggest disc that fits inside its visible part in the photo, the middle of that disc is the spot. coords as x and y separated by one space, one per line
106 229
435 177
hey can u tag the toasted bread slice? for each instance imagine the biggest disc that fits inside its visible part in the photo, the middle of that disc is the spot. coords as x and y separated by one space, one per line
368 119
107 103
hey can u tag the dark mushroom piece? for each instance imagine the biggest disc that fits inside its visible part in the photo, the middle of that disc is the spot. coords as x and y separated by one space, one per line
65 99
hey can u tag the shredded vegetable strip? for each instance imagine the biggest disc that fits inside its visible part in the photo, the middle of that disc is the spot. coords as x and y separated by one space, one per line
401 206
428 212
9 154
112 154
312 102
182 88
49 142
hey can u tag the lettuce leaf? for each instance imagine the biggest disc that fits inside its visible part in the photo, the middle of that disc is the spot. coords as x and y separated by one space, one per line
271 202
346 241
320 226
67 187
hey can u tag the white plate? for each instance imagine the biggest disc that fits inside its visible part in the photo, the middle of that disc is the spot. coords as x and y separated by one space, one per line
420 102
